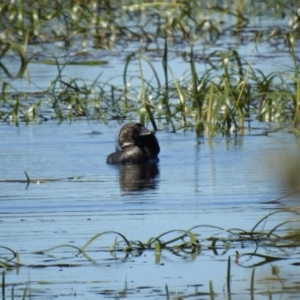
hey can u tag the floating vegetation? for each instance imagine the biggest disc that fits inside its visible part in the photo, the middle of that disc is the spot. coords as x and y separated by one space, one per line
192 241
224 97
180 243
28 180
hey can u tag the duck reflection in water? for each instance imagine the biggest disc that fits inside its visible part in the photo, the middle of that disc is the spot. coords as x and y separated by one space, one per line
141 177
136 154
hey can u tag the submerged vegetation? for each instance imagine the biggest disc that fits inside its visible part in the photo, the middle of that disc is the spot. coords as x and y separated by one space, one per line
224 95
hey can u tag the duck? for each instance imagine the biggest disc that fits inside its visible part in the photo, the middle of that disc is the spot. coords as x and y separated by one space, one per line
135 144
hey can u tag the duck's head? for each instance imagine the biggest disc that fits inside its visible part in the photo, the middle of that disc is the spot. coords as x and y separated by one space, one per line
133 134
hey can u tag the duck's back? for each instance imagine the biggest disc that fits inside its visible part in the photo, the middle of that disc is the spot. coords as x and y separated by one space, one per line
129 155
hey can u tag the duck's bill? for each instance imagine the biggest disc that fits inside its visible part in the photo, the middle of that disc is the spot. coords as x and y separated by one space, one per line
144 131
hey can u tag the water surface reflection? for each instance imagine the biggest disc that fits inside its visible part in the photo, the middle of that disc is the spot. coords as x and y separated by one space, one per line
139 177
223 182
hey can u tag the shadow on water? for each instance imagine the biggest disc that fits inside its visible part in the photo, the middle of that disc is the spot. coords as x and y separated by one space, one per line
141 177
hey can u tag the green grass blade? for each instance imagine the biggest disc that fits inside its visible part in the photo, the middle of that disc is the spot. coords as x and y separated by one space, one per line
3 285
211 290
228 278
167 292
252 285
27 178
25 293
100 234
157 252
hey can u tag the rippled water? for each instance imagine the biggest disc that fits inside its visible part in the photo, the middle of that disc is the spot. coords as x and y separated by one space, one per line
224 182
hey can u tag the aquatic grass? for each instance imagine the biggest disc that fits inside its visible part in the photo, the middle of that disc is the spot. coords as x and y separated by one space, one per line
142 94
165 96
211 290
73 98
57 247
296 81
194 242
11 260
128 244
92 63
185 19
167 292
145 94
216 101
157 250
25 293
181 107
230 91
228 281
3 285
197 97
20 53
12 296
252 284
242 106
197 241
29 180
209 130
241 20
264 219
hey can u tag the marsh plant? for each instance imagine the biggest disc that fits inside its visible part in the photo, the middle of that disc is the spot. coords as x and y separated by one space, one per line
279 239
228 94
184 242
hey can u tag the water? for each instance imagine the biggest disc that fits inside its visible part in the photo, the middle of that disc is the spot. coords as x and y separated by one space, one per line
223 182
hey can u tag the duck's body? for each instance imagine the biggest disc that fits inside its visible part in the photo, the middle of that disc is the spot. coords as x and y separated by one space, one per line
135 145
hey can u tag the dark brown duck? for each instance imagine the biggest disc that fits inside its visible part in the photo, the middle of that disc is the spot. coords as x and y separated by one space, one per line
135 145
